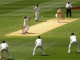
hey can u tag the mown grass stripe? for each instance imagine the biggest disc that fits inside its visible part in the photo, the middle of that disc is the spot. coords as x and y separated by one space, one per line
47 6
19 5
3 2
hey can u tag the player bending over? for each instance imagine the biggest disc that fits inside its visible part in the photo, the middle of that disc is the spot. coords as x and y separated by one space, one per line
4 47
73 40
38 44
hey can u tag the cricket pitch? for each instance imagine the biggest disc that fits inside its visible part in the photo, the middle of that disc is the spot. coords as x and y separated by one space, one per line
42 27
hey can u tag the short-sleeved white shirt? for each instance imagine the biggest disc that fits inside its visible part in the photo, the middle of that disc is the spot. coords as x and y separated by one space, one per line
68 5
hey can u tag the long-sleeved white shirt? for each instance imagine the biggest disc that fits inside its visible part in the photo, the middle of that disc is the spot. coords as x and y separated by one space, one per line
37 9
25 22
59 11
73 38
4 46
38 41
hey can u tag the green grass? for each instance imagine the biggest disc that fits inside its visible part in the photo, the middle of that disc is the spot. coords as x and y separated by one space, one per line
55 42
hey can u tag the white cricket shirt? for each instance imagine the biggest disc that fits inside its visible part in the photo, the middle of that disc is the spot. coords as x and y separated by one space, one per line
25 22
37 9
59 11
68 5
38 42
73 38
4 46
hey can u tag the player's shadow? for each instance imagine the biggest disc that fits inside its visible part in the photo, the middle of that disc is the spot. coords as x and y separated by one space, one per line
78 52
63 22
9 59
45 55
32 33
75 52
41 21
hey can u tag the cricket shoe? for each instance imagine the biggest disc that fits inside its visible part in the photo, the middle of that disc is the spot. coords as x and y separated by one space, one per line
68 52
58 22
23 33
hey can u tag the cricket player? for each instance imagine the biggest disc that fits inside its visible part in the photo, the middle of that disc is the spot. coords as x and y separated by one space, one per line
59 14
73 40
37 11
4 47
38 44
25 27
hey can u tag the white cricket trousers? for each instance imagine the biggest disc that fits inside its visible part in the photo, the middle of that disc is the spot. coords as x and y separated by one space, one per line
6 52
73 42
36 15
26 28
38 46
57 15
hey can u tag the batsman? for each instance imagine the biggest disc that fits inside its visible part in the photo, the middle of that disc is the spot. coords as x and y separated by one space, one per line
25 27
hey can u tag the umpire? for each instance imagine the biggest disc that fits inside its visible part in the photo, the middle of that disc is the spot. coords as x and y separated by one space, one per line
68 9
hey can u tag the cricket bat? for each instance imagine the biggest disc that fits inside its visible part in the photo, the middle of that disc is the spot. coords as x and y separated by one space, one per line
42 16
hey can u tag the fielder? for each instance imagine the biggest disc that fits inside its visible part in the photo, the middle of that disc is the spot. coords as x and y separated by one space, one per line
73 40
25 27
36 10
4 47
38 44
59 14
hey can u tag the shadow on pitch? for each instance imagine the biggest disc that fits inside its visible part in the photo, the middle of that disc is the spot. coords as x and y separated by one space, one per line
63 22
32 33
